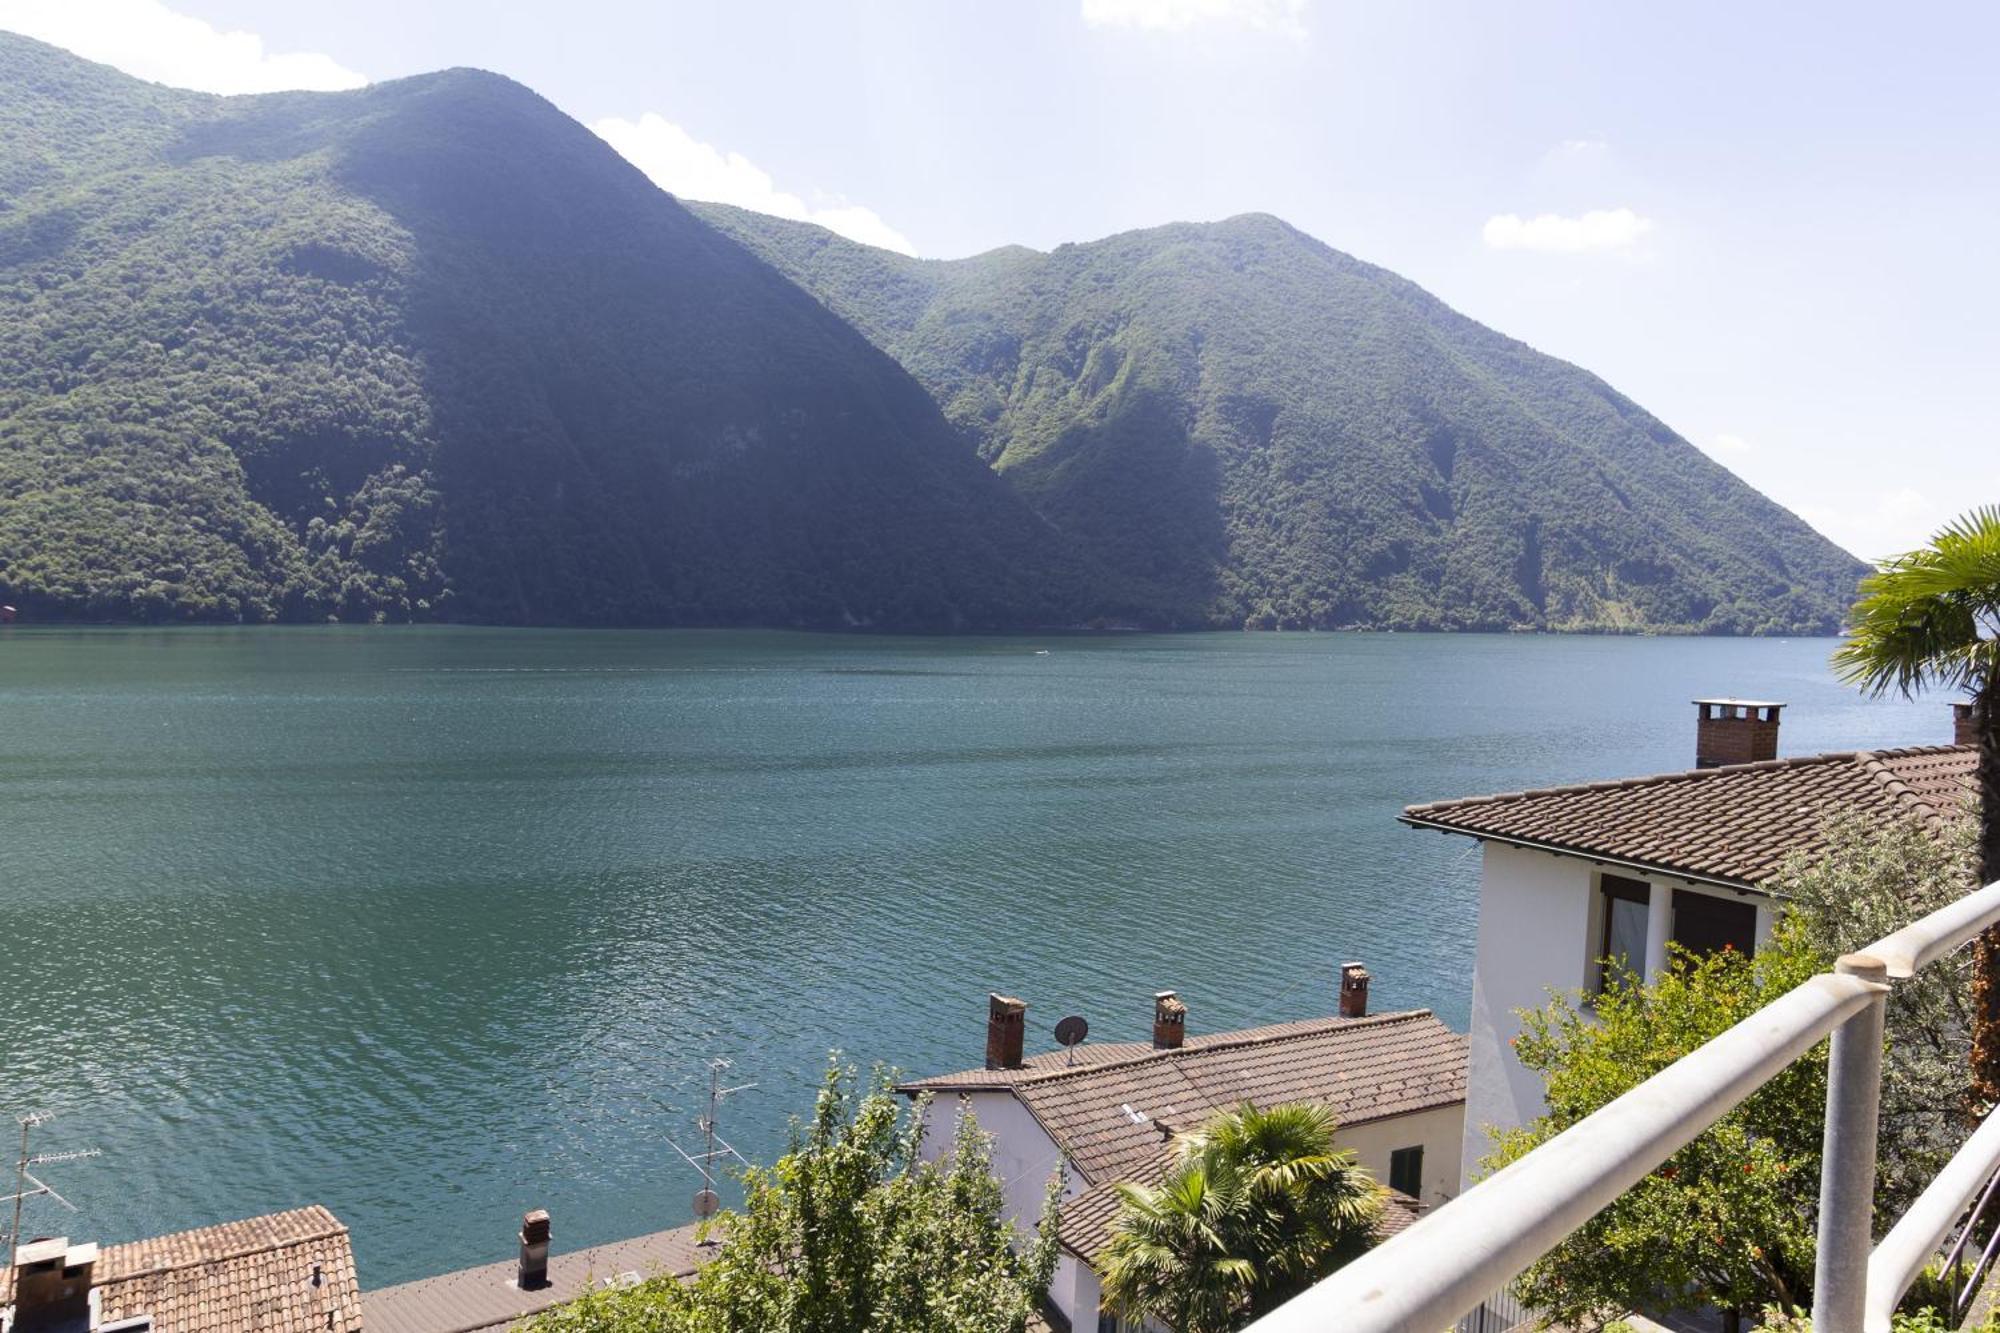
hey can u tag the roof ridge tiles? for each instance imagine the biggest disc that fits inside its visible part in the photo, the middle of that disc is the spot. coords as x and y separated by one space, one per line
1167 1058
1264 1034
175 1263
1876 765
1646 780
220 1242
1913 751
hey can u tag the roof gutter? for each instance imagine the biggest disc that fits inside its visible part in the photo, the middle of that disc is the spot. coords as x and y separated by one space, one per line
1583 854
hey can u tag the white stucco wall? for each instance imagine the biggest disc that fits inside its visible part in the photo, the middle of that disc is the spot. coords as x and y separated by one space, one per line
1076 1292
1540 921
1024 1156
1440 1133
1534 923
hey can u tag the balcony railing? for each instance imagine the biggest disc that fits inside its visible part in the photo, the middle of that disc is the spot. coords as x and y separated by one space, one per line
1443 1266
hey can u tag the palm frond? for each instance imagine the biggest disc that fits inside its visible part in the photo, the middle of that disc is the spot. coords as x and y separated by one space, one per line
1257 1204
1929 617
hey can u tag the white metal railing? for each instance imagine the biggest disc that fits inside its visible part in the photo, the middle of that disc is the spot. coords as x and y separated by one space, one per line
1916 1238
1428 1276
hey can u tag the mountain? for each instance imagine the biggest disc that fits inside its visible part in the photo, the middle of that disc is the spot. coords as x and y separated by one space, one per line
1248 427
431 349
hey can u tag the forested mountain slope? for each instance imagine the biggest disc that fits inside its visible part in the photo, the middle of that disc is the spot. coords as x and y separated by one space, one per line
432 349
1250 427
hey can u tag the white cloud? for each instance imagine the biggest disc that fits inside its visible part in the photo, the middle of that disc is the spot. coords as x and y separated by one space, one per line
150 41
1599 229
1590 144
682 164
1280 16
1894 521
1726 445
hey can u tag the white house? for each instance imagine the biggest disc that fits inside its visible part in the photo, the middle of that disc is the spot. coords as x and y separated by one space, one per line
1110 1110
1575 876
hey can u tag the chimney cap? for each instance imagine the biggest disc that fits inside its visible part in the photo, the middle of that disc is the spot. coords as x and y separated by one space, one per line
41 1251
1728 702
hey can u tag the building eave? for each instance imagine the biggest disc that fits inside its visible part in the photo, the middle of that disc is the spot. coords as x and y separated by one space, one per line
1738 886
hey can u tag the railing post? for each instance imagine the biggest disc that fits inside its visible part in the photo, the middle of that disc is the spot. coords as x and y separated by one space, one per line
1847 1164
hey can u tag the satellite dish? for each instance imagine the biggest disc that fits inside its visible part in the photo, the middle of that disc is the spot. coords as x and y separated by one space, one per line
705 1203
1072 1030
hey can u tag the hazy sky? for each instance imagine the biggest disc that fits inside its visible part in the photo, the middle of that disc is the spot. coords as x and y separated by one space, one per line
1771 224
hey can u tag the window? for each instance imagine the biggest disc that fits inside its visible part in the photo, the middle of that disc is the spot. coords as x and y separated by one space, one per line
1705 924
1406 1171
1622 947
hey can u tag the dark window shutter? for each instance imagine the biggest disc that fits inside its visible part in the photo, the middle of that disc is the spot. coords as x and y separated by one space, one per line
1406 1171
1704 924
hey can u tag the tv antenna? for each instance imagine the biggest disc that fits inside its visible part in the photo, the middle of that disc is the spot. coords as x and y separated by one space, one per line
706 1201
1070 1033
27 1185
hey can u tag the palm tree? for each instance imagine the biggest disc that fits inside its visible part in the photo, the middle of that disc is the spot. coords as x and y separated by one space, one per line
1931 618
1256 1207
1169 1257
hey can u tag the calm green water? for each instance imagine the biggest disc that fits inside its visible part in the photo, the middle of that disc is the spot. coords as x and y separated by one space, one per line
436 925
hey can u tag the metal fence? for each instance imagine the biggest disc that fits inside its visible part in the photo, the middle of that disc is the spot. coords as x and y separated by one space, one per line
1448 1264
1502 1312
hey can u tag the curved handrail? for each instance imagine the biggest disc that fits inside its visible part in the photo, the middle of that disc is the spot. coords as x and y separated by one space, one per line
1915 1238
1447 1262
1924 941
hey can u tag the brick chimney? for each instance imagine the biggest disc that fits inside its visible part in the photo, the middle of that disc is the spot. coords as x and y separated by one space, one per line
52 1286
1169 1021
1735 731
533 1271
1962 732
1353 991
1006 1028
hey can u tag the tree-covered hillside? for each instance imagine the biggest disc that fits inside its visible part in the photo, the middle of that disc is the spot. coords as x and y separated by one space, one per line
432 349
1252 428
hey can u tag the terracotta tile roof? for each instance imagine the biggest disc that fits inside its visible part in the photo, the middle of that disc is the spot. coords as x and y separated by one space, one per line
1398 1211
486 1297
1733 825
1365 1068
253 1276
1095 1054
1087 1219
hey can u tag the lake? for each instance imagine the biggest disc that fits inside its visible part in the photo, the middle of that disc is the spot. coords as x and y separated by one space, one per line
435 925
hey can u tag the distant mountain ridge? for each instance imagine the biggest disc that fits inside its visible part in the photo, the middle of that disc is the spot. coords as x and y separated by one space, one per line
432 350
1250 427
